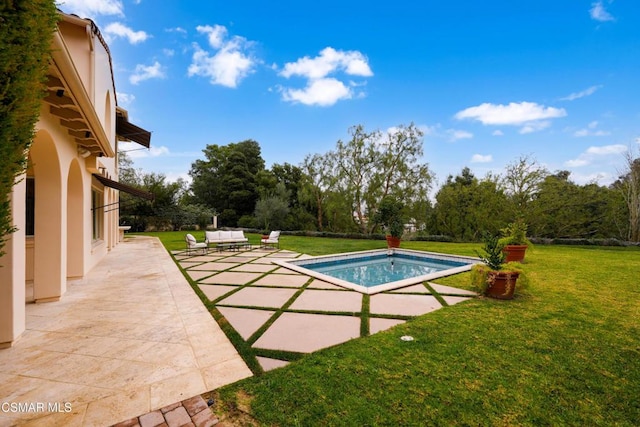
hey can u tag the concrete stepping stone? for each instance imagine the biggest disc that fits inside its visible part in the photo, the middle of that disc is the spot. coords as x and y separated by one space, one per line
231 278
441 289
451 300
263 260
321 300
217 265
404 305
236 259
284 255
216 291
288 280
282 270
415 289
204 258
260 297
269 364
306 333
254 268
377 325
197 275
244 320
319 284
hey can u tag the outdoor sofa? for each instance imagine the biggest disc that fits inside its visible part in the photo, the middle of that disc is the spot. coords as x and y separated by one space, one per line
222 238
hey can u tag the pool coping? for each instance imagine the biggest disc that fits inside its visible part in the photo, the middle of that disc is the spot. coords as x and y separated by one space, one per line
291 265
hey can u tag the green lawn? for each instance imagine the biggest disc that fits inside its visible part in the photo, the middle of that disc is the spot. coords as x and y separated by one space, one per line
565 351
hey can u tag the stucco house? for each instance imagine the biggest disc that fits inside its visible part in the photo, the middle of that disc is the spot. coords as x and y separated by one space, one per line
66 205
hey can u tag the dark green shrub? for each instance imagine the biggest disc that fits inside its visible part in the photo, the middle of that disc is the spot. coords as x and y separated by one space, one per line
26 31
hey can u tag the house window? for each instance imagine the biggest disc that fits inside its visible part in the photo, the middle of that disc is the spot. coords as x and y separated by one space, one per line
30 207
97 209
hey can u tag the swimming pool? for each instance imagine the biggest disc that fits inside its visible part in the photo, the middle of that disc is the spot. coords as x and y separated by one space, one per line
380 270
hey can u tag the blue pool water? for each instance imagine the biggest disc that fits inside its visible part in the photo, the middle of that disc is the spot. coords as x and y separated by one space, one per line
379 269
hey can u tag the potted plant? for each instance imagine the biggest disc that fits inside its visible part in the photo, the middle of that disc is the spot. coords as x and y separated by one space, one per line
389 215
494 278
514 240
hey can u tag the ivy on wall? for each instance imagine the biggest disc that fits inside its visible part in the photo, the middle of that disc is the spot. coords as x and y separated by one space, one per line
26 32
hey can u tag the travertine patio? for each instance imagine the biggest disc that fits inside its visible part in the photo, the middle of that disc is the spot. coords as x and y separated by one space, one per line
132 336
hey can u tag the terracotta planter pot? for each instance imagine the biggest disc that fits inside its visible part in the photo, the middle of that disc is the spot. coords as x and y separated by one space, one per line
515 253
501 284
393 242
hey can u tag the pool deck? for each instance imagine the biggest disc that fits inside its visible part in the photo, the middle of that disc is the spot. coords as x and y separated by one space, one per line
275 308
132 343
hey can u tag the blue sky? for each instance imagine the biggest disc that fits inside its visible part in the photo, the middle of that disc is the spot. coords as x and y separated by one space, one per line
486 81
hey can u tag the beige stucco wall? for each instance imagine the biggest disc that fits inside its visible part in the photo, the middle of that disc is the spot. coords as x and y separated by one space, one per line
62 246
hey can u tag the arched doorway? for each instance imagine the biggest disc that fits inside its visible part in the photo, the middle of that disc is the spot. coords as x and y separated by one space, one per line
49 235
75 221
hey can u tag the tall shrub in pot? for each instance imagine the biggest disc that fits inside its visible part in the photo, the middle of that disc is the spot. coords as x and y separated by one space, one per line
493 278
514 240
389 215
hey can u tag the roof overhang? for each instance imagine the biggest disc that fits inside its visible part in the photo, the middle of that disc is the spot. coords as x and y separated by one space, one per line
127 131
123 187
70 102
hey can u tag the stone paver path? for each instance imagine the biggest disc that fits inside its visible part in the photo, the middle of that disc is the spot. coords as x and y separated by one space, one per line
276 309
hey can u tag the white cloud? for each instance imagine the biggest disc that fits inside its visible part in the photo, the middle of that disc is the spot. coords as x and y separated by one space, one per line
168 52
119 30
534 127
580 161
330 60
599 13
497 132
146 72
215 34
92 8
231 61
134 152
593 152
322 92
480 158
590 130
455 134
514 114
125 99
607 149
601 178
577 95
176 30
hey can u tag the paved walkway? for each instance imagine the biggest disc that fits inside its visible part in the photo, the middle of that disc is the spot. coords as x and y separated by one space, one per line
273 308
129 338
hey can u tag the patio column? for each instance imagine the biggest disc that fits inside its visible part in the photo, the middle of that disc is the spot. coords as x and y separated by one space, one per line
12 273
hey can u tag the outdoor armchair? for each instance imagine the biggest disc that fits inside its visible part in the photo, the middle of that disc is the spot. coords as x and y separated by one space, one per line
271 240
193 245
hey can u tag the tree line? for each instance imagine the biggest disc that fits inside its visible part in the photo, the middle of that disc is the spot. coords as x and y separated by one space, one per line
340 191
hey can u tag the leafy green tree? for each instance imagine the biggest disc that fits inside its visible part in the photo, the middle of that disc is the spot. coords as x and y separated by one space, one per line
629 186
564 209
317 181
371 166
26 32
522 180
226 181
467 207
272 209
